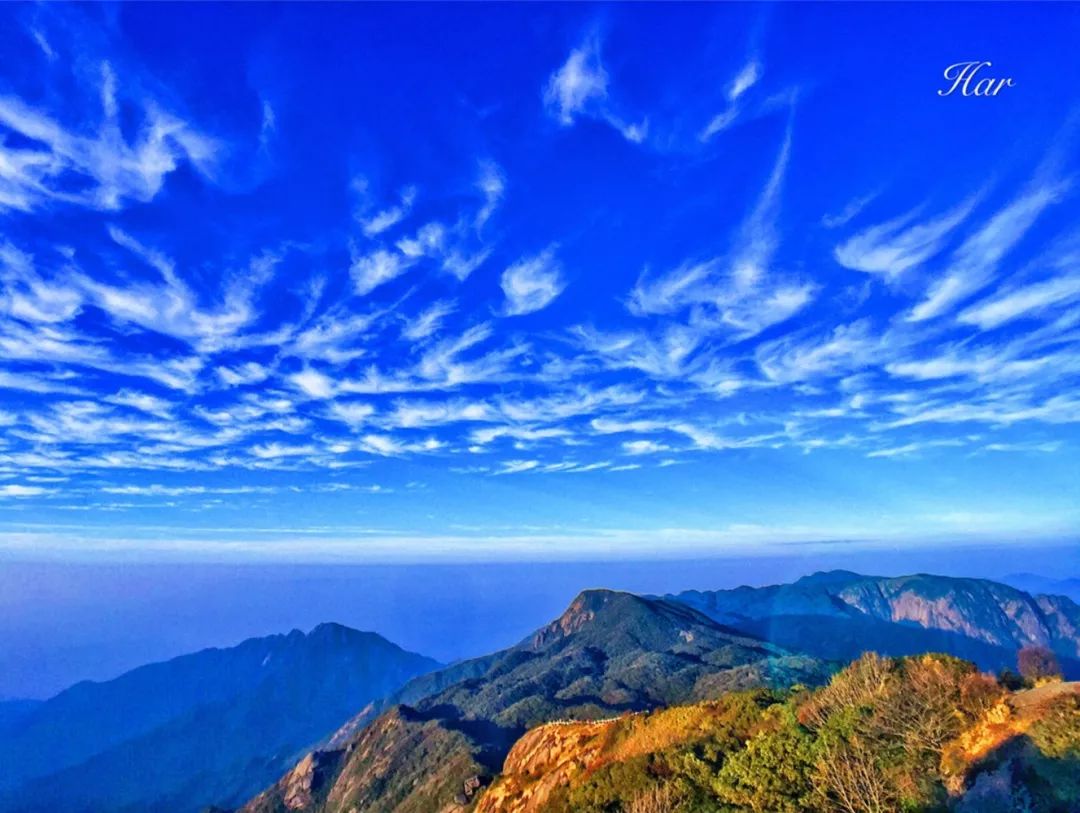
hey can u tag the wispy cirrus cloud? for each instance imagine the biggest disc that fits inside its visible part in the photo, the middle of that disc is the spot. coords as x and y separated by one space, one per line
369 271
896 246
580 89
384 219
1016 303
740 293
581 83
105 171
532 283
747 77
428 322
973 265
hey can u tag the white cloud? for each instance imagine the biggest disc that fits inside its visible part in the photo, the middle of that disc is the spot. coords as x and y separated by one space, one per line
634 132
578 84
898 245
337 336
242 374
741 293
387 218
353 413
844 349
915 448
30 297
744 80
273 451
720 122
461 265
641 447
112 170
492 183
389 446
485 436
17 490
415 414
580 88
668 355
747 77
427 242
313 383
1048 447
143 402
1027 301
171 307
611 426
369 271
44 45
532 283
35 382
158 490
518 466
428 322
849 212
689 284
974 264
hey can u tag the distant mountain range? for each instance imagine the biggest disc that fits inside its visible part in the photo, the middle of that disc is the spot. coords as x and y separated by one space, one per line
837 615
214 726
387 731
1030 583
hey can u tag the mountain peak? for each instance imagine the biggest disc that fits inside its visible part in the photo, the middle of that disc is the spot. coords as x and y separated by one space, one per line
832 577
331 630
581 612
613 621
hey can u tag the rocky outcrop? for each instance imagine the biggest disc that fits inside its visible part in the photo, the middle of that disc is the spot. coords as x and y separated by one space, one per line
543 760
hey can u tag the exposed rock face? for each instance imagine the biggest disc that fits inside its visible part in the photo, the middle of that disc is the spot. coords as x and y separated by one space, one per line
303 783
543 760
1062 618
580 613
978 609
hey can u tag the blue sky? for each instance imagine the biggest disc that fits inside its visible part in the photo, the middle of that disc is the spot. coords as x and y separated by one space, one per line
385 282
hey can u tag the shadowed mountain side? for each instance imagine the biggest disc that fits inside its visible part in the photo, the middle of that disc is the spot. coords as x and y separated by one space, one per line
840 614
13 712
608 653
224 749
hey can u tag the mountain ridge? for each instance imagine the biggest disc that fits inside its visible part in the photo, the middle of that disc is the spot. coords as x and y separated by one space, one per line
193 730
980 619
